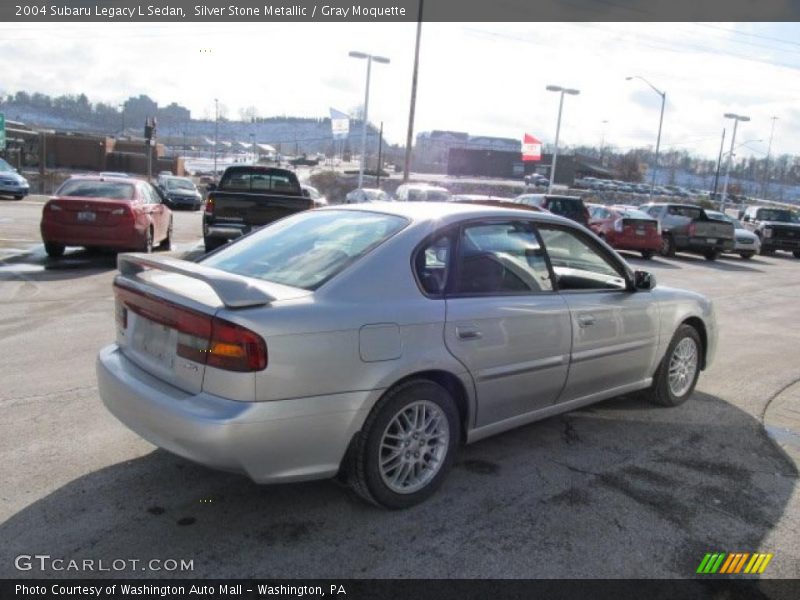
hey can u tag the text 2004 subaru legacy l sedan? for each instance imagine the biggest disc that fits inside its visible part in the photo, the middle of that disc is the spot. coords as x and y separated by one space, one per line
373 340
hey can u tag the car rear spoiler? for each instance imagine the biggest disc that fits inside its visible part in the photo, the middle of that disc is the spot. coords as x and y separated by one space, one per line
235 291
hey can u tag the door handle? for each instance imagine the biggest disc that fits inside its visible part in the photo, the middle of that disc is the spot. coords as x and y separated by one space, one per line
468 333
586 320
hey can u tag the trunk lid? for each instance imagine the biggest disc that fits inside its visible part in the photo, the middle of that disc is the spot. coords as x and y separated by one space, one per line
255 209
88 211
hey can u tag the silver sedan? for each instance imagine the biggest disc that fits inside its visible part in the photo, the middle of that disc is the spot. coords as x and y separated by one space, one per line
371 341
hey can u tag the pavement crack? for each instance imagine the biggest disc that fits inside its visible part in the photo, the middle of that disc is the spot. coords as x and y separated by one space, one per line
48 395
763 415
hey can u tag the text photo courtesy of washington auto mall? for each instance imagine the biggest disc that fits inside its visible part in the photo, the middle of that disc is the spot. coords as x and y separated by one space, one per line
425 299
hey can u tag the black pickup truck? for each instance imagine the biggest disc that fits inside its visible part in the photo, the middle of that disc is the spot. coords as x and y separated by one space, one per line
687 228
777 228
248 197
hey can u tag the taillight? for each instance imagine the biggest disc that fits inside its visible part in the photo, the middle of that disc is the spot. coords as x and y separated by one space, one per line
210 206
54 207
202 338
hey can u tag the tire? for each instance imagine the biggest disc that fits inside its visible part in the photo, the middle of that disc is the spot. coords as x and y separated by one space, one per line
18 197
711 254
54 250
747 255
667 245
212 244
386 428
647 254
662 392
148 241
166 243
796 253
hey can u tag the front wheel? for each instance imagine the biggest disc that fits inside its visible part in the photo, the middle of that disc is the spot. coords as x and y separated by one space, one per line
677 375
711 254
407 445
796 253
647 254
54 250
746 255
166 243
667 245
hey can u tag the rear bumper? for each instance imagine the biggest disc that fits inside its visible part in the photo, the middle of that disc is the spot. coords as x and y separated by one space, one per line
90 235
702 244
276 441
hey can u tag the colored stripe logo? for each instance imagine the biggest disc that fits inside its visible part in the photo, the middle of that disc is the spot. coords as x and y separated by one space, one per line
734 563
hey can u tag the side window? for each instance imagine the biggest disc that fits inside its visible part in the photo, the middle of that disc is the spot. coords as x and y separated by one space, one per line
653 211
578 262
431 264
500 258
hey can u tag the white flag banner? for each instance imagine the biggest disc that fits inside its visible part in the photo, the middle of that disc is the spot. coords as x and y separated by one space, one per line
340 124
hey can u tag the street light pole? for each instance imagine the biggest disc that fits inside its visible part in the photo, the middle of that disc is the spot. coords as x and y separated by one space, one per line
369 58
660 124
719 163
603 141
216 133
412 107
561 91
736 118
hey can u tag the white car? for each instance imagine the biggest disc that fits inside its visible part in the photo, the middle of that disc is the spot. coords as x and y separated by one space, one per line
373 340
362 195
421 192
746 243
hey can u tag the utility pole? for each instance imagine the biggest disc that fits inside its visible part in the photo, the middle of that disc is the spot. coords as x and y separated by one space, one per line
766 162
216 133
42 160
412 107
719 162
380 147
736 118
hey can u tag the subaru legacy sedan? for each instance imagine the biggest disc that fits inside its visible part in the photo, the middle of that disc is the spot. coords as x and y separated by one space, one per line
371 341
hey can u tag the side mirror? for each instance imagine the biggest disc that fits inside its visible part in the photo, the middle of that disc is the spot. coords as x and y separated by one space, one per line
644 280
211 187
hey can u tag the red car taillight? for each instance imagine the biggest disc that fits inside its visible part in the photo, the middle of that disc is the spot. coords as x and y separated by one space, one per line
210 206
202 338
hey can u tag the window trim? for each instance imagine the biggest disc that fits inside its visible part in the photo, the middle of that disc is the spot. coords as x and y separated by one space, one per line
600 249
448 291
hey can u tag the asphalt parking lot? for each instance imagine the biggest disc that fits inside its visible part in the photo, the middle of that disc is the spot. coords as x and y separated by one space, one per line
620 489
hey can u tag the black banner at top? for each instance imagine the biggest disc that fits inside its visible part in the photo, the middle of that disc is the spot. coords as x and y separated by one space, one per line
66 11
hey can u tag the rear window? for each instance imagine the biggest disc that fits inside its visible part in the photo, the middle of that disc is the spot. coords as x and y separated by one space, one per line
685 211
258 181
636 214
566 207
113 190
309 248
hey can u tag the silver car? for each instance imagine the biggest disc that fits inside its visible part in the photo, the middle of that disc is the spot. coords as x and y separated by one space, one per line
370 341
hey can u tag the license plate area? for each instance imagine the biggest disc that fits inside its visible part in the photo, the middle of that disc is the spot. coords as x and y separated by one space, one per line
154 340
640 231
711 240
86 216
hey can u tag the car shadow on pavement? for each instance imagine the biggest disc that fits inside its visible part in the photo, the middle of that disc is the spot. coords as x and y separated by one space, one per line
723 263
37 266
620 489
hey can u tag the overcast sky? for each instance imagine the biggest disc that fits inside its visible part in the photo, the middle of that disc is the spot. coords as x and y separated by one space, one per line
482 78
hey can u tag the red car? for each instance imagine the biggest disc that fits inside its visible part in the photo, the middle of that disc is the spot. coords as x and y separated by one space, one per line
106 212
627 229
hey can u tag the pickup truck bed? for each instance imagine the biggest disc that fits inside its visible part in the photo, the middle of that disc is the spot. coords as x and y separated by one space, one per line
688 228
249 197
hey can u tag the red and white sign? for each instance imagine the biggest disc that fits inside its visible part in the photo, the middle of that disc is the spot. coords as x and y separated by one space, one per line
531 148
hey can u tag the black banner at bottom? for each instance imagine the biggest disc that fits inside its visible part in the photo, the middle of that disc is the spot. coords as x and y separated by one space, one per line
405 589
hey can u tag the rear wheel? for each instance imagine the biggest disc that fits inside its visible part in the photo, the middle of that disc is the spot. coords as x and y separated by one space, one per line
148 241
407 445
711 254
746 255
166 243
667 245
796 253
647 254
212 243
676 377
54 250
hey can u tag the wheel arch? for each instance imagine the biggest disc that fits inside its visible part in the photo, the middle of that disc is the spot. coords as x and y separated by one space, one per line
700 327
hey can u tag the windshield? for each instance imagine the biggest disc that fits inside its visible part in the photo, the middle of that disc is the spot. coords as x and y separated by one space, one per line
83 188
309 248
4 166
180 184
778 215
636 214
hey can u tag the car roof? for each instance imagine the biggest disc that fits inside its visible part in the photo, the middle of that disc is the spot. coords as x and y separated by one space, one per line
447 212
114 178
